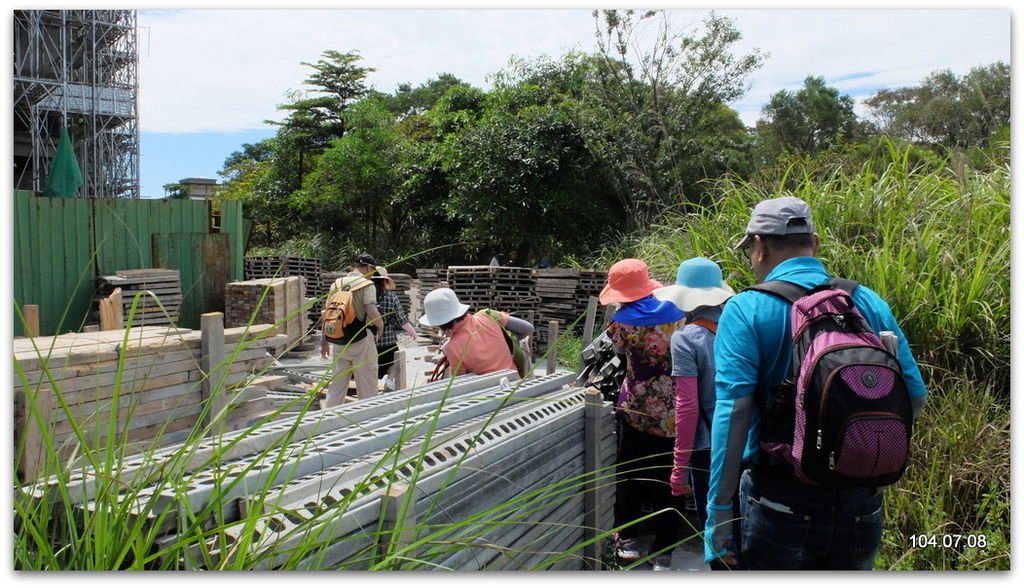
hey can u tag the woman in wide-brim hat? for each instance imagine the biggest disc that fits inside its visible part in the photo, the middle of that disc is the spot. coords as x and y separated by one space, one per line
700 292
642 330
476 342
698 283
395 318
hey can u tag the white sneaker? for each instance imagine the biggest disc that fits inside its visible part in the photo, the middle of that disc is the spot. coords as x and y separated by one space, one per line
389 383
663 562
628 549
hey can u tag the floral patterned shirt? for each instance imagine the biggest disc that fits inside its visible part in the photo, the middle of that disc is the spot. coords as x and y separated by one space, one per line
647 397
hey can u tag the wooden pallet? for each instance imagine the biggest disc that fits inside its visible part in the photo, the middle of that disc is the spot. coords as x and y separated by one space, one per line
155 287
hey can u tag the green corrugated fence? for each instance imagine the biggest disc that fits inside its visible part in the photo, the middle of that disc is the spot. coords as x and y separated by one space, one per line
61 245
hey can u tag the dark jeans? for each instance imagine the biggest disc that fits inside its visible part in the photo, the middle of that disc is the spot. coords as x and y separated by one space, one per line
643 487
385 358
788 525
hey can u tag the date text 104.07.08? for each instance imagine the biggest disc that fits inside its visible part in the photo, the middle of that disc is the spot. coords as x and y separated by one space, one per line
948 541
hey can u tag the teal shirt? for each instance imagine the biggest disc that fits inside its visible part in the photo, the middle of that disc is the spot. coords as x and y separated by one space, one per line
753 351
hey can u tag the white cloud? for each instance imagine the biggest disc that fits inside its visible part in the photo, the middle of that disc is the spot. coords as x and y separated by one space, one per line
226 70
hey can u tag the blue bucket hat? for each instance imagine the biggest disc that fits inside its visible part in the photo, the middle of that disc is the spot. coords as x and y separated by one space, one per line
698 283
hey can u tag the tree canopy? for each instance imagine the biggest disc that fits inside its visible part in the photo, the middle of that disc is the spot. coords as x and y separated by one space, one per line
563 155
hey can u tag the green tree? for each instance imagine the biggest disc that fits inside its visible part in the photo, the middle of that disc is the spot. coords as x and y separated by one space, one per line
408 101
352 189
652 116
249 177
957 112
523 179
316 118
807 121
176 191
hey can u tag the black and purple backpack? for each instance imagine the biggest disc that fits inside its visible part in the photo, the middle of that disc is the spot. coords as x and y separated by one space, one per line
843 416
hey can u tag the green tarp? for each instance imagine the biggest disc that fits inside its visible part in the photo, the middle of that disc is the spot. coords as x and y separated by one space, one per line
65 176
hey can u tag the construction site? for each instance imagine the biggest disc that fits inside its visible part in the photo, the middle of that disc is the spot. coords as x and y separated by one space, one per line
142 330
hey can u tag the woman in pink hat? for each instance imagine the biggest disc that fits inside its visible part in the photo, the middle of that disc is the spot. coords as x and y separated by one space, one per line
641 329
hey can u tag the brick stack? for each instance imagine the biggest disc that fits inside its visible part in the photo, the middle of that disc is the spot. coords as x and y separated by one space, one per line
274 301
274 266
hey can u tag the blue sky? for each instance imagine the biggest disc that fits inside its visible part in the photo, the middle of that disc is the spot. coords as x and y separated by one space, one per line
208 79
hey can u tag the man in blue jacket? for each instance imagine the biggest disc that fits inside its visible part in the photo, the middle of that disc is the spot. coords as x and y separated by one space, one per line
786 524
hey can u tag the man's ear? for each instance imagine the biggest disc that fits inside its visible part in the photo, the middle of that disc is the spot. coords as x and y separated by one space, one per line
817 245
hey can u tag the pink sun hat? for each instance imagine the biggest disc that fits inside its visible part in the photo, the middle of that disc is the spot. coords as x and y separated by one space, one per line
628 281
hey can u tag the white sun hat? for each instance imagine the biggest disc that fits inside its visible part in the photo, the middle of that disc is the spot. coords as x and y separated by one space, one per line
698 283
440 307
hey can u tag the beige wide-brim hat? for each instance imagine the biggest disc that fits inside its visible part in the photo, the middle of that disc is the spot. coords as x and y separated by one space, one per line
381 274
698 283
440 307
688 299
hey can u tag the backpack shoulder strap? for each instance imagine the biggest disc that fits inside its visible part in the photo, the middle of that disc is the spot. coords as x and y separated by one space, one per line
495 316
709 325
843 284
787 291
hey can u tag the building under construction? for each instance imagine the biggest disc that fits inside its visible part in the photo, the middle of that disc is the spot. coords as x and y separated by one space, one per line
77 69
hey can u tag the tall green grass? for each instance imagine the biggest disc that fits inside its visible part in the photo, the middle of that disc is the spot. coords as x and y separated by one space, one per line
936 245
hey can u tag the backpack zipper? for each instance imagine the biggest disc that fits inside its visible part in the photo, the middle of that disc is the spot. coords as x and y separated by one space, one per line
839 319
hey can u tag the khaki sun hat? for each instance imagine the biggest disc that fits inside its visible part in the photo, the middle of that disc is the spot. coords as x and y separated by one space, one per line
381 274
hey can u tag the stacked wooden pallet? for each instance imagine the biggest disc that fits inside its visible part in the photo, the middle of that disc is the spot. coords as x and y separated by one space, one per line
403 287
591 283
274 301
263 266
511 289
430 279
556 289
164 284
149 380
328 278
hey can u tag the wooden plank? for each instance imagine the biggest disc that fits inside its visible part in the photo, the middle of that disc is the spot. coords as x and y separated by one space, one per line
91 387
174 429
401 370
593 433
35 415
112 312
31 312
75 348
211 360
552 359
131 412
588 327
